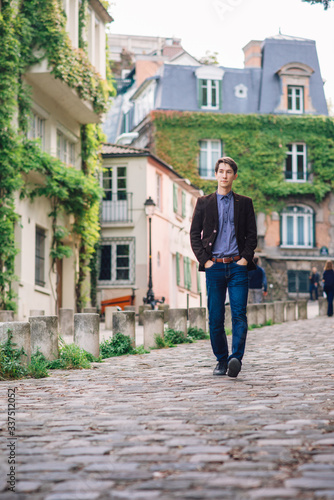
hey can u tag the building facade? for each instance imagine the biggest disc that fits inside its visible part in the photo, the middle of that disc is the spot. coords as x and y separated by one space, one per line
60 106
271 116
130 177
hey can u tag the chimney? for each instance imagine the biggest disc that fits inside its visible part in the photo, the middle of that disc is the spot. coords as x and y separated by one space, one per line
253 55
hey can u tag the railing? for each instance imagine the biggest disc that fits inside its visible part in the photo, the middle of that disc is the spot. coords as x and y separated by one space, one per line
118 209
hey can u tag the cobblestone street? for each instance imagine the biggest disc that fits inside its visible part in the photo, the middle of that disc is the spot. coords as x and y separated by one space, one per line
160 426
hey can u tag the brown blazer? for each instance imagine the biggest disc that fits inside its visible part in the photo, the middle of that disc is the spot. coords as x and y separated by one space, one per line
204 228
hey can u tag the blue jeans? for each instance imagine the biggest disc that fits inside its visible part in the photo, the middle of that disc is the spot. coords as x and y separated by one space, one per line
219 278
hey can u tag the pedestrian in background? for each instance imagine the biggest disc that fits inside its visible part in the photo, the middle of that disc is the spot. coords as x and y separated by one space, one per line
257 284
314 283
328 281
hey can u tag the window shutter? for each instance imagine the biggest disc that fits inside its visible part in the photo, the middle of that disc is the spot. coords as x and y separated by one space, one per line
280 230
175 198
199 92
177 268
183 204
189 273
220 94
314 242
198 281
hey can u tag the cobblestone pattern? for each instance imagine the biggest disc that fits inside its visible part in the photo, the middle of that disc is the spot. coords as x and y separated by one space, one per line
160 426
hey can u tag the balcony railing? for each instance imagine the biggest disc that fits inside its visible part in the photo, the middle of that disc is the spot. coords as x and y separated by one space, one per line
118 208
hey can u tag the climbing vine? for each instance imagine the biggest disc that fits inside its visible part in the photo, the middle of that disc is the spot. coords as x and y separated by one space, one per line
30 32
258 143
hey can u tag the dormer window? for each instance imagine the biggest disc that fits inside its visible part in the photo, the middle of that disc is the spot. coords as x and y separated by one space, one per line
295 84
295 99
209 86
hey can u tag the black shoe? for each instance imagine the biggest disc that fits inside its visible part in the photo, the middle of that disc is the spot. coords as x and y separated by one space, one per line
221 368
234 367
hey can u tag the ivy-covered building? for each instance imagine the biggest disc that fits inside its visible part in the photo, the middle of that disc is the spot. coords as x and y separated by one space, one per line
53 93
271 117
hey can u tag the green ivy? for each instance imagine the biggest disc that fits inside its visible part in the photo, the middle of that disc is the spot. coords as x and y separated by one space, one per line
30 32
258 144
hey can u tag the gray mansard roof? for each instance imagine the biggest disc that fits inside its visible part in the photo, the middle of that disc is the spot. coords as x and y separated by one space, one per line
278 51
177 85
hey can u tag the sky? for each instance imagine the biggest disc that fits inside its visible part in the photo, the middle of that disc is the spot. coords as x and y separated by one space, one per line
225 26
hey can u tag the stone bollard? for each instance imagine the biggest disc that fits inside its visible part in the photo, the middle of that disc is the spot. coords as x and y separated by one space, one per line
44 336
125 322
279 311
145 307
130 308
177 320
6 316
66 322
261 314
323 305
197 318
90 310
87 332
108 312
270 312
21 337
228 317
165 309
252 314
36 312
302 309
290 309
153 325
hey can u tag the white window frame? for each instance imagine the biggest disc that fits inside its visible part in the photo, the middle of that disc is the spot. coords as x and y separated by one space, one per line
210 164
294 153
65 149
209 86
37 128
40 256
291 213
294 97
113 242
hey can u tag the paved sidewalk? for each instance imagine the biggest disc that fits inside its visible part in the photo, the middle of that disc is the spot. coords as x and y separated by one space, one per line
160 426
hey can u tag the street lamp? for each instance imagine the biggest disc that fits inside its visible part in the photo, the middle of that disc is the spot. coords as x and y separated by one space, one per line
149 210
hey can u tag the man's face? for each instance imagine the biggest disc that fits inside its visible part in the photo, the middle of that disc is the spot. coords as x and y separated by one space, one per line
314 270
225 176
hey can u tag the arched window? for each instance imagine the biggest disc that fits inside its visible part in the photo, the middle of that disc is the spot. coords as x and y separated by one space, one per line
297 227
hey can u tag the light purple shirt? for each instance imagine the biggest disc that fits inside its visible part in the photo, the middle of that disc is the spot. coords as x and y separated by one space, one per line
226 241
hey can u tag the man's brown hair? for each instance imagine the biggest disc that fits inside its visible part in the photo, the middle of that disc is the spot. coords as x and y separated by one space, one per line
228 161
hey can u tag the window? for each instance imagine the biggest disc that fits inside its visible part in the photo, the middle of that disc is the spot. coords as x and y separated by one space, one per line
40 257
114 183
179 201
209 94
65 149
297 227
298 281
117 261
295 99
37 129
209 84
117 202
210 151
296 163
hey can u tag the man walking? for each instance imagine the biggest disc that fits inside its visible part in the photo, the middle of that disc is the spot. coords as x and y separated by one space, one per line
257 283
223 237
